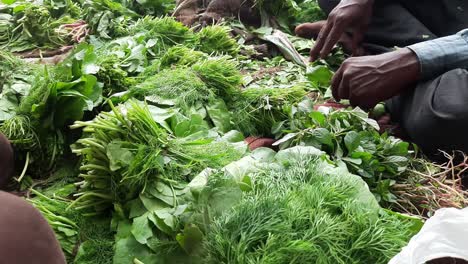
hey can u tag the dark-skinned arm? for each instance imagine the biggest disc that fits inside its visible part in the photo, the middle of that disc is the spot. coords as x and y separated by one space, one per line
348 16
368 80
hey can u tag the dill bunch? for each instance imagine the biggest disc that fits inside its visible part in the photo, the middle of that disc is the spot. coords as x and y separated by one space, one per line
262 108
180 87
181 55
216 154
163 32
216 39
220 74
275 96
149 71
305 213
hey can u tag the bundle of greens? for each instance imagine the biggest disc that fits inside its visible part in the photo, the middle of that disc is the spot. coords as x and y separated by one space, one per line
304 212
275 72
277 12
216 39
148 39
263 108
191 91
135 148
205 79
287 13
107 18
138 160
83 240
54 210
309 11
220 74
58 96
112 76
353 141
58 8
160 34
151 7
16 79
7 23
180 56
28 25
126 53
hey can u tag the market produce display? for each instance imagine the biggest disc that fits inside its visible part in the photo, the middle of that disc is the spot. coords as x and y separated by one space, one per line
136 136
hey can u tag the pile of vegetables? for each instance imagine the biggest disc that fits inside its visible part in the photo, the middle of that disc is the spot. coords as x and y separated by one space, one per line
133 146
304 210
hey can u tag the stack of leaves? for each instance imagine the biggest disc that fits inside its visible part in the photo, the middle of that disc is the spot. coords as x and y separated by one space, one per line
16 79
28 25
353 141
180 56
151 7
263 108
309 11
204 87
83 239
57 97
107 18
112 76
138 148
138 159
54 210
216 39
183 82
160 34
305 212
275 72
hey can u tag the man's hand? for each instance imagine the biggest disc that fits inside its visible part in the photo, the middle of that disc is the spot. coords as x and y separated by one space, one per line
368 80
348 15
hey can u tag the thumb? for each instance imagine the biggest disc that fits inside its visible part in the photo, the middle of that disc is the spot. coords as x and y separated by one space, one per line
309 30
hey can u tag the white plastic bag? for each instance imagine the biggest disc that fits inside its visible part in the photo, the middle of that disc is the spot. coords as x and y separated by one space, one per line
443 235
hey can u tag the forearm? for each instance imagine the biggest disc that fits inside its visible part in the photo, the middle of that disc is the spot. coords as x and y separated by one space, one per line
442 55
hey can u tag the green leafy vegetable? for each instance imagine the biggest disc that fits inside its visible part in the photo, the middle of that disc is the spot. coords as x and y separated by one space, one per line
216 39
305 213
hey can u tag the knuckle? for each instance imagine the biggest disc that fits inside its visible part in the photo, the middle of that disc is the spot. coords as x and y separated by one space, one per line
346 63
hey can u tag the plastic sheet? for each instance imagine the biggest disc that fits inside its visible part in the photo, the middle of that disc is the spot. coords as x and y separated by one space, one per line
443 235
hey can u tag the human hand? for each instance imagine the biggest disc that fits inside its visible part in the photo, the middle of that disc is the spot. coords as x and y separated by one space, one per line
368 80
348 15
